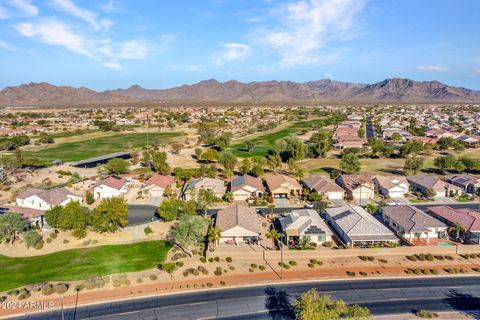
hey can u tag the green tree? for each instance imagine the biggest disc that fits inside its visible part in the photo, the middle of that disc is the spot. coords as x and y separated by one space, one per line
447 162
89 197
372 208
228 160
258 166
11 223
205 198
159 162
413 165
116 166
211 155
361 132
198 153
223 140
109 215
273 235
246 166
274 162
318 201
311 305
189 231
45 138
169 267
350 164
457 229
214 235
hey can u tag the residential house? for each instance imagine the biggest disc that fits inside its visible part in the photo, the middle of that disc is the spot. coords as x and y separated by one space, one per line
283 186
357 227
469 183
423 183
40 199
469 220
391 186
113 186
324 187
413 224
239 224
217 186
246 187
155 186
305 223
357 187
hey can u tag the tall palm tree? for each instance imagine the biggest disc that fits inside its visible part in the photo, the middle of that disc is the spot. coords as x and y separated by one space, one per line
457 229
273 235
214 235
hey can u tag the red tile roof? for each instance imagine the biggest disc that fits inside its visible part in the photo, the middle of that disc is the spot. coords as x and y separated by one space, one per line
160 181
468 219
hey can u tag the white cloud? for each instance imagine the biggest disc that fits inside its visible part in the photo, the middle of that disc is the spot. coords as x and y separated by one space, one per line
55 33
307 26
433 68
4 14
134 49
112 65
83 14
4 45
232 52
25 6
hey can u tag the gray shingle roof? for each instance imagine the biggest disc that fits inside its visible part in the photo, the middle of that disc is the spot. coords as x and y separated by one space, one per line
411 218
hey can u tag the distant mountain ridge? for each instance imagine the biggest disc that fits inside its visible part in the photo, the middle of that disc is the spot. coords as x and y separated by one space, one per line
394 90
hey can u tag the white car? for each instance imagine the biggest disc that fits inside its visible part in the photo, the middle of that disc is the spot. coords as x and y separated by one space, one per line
309 206
392 203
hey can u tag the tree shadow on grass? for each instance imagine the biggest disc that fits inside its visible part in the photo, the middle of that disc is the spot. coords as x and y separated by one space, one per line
278 304
464 302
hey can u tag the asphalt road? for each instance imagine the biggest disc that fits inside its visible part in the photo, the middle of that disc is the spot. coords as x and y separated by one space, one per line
381 296
370 131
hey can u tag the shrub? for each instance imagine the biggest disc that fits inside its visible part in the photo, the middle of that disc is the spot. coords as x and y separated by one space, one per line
203 259
13 292
351 273
363 273
426 271
421 257
53 235
327 244
441 258
262 268
477 269
179 264
218 271
435 271
232 268
209 284
32 238
417 271
293 263
24 295
49 240
311 265
254 266
152 277
222 283
371 259
286 266
139 280
147 230
65 241
426 314
228 259
3 298
363 258
195 272
429 257
48 290
210 259
383 260
178 256
217 259
61 288
251 270
313 261
412 258
449 258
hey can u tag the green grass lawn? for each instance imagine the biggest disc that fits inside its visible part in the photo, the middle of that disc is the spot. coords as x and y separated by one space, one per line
265 142
79 264
81 150
66 134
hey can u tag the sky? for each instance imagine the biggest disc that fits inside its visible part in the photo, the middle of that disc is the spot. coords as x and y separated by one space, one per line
108 44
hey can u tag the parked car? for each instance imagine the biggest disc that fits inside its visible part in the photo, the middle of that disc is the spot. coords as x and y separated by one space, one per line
309 206
392 203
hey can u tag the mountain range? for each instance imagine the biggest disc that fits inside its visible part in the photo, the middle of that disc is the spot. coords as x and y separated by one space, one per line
394 90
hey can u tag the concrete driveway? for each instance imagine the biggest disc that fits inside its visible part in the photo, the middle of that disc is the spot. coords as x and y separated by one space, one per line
141 213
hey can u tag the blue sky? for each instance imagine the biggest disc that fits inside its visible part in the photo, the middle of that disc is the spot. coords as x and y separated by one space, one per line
106 44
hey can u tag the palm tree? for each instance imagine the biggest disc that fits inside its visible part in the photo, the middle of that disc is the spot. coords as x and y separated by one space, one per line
457 229
273 235
214 235
305 243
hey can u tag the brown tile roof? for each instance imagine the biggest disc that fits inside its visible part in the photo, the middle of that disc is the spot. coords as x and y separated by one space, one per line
411 218
50 196
160 181
468 219
275 181
351 182
244 180
238 214
321 184
427 181
26 213
113 181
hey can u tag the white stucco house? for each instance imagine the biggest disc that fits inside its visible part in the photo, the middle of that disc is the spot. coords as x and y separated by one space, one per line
40 199
391 186
113 186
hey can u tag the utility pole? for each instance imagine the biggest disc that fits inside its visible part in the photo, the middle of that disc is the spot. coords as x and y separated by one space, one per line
63 314
281 257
